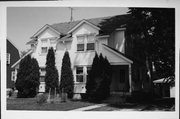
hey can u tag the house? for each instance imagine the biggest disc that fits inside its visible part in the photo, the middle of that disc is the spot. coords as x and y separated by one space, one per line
12 57
82 39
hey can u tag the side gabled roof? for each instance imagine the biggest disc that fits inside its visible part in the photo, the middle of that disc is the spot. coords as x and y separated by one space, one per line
65 27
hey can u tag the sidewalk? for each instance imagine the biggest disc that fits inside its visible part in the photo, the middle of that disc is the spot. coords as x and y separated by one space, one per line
89 107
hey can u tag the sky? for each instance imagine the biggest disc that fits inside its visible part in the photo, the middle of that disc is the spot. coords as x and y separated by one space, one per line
23 22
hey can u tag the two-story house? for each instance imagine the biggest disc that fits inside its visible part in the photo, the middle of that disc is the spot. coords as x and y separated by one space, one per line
12 57
82 39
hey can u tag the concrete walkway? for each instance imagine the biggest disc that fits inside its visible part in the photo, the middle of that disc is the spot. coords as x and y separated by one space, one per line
89 107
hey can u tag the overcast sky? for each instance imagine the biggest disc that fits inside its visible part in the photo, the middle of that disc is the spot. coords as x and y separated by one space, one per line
23 22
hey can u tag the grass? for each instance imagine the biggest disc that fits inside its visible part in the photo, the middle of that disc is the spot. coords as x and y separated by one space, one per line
30 104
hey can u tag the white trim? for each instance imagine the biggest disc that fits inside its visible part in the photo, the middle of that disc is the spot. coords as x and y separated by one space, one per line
79 24
21 59
128 60
44 28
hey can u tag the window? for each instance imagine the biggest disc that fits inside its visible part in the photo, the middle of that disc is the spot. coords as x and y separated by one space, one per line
44 50
122 75
80 43
42 79
8 58
43 71
44 40
13 76
90 46
79 74
85 42
52 40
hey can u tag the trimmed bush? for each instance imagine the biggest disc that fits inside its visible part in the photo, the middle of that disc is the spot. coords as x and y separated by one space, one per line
98 85
67 81
51 77
27 82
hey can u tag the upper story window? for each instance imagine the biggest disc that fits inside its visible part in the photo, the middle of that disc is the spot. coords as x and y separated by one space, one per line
85 42
90 42
52 40
80 43
8 58
44 41
44 50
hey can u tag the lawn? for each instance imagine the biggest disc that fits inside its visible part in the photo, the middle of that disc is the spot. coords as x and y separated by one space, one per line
30 104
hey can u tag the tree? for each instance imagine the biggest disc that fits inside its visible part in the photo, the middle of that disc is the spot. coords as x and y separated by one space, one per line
51 77
94 72
67 81
98 85
152 31
150 38
27 81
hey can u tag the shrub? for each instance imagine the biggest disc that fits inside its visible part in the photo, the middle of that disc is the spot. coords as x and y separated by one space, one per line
27 81
51 77
67 81
41 98
98 85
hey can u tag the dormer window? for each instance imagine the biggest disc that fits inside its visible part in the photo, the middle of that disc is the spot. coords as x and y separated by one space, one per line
86 42
80 43
44 50
90 42
44 41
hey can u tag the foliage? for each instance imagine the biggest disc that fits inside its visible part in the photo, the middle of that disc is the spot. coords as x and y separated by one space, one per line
152 32
98 85
67 81
27 82
51 77
150 38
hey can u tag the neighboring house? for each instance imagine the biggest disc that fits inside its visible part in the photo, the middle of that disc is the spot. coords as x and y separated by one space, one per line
82 39
12 57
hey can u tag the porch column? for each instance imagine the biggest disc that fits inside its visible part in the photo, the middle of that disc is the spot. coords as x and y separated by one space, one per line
130 79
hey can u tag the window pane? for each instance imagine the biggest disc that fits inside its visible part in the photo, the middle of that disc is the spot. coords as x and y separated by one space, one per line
80 47
80 39
44 40
79 70
90 38
90 46
44 50
79 78
42 79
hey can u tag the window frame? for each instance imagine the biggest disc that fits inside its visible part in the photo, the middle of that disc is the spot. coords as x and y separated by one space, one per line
13 76
8 58
86 42
82 74
42 50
